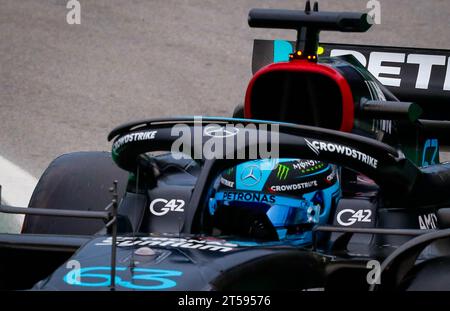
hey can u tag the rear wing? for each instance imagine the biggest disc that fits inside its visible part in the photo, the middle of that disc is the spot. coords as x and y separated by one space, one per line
412 74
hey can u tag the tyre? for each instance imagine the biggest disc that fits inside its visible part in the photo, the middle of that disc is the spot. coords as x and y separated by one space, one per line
75 181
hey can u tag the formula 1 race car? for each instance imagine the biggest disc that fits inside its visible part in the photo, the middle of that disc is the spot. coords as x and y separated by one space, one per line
325 178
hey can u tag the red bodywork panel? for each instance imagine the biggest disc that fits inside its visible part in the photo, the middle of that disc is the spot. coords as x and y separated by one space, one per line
304 66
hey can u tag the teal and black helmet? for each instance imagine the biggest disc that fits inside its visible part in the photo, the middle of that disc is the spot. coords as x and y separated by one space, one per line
274 199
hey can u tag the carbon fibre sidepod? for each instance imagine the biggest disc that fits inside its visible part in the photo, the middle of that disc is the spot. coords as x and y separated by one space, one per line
188 263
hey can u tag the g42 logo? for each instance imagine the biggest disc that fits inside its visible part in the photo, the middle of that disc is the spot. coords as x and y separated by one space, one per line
374 14
167 206
348 217
156 279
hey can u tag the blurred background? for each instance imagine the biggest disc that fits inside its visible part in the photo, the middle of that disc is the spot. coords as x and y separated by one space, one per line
63 87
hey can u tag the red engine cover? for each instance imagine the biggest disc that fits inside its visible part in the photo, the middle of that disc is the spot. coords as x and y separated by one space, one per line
301 92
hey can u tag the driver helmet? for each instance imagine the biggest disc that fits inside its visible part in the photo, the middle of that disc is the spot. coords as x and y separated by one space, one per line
274 199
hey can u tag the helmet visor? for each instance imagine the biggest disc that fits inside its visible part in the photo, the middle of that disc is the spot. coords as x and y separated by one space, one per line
283 215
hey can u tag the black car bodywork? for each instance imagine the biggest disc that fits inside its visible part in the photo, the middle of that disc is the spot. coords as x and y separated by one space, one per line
81 246
192 259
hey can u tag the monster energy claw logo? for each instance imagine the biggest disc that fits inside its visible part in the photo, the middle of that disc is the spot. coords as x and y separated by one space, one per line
282 172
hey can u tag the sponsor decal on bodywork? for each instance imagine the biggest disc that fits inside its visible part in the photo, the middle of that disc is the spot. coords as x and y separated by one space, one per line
133 137
160 207
207 245
395 67
318 146
428 221
348 217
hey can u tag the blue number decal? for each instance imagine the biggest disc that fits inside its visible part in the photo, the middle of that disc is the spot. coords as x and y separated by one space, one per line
154 275
83 273
159 279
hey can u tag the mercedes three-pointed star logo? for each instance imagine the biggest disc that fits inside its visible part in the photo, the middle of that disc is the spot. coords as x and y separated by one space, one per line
220 131
251 175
